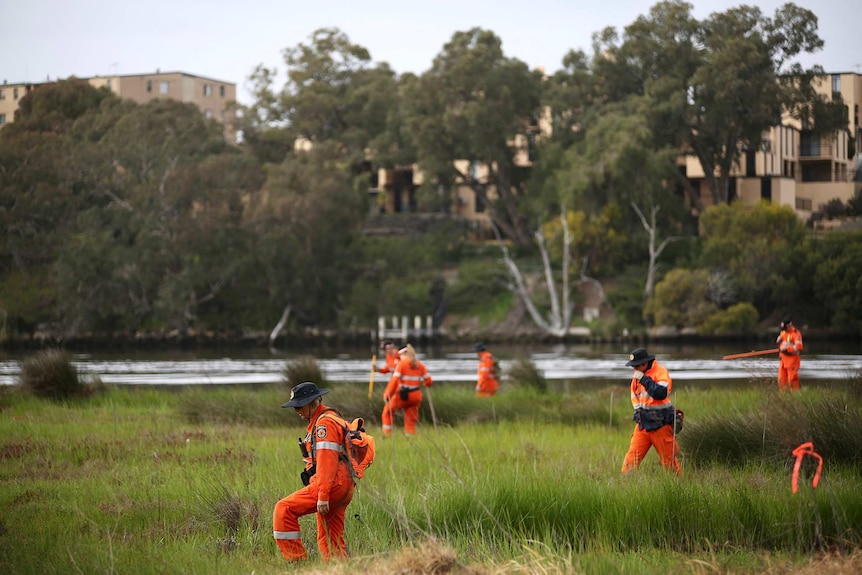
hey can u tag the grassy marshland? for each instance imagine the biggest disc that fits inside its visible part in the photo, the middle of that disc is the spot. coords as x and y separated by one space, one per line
145 480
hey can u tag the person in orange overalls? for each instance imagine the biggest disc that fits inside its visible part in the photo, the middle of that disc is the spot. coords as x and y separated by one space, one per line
789 346
486 380
327 478
391 352
404 392
650 391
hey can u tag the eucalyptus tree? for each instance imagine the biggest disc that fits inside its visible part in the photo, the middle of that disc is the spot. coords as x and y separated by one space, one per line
333 93
158 235
306 237
38 197
471 105
719 84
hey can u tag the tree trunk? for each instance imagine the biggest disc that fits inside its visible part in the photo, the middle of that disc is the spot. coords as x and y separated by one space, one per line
280 325
654 251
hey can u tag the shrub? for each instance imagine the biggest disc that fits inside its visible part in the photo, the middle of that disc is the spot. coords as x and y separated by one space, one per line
303 368
50 373
681 299
740 318
525 373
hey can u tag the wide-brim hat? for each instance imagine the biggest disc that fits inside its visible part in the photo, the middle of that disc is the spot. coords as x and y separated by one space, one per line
304 393
479 346
639 356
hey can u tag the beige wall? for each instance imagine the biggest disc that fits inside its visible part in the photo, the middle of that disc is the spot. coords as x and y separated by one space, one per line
10 95
212 97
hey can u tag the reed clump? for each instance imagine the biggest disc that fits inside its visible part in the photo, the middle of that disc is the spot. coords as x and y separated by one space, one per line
769 431
303 368
50 373
523 372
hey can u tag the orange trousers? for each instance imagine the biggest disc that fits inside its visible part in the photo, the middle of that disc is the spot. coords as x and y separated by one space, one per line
330 527
411 412
665 445
788 373
487 387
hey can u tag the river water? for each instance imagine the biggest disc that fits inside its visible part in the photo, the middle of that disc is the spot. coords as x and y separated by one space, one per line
602 363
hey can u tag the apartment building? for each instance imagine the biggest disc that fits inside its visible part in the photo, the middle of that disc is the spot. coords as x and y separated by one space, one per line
10 95
212 97
395 189
795 166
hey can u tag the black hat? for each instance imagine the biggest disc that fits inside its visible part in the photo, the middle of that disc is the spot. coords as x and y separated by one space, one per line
639 356
304 393
786 321
479 347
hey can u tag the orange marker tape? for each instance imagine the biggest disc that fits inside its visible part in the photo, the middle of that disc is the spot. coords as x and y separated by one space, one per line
806 448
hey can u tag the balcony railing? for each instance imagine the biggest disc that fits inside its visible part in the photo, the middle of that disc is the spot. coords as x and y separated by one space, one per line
815 149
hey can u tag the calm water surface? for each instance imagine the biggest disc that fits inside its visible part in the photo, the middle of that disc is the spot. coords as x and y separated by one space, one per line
557 362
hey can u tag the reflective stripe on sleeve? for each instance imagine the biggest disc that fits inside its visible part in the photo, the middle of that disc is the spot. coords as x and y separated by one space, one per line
329 445
286 535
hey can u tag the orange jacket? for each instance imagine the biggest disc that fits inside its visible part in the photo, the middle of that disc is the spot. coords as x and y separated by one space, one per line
485 378
391 361
789 342
408 376
324 442
651 398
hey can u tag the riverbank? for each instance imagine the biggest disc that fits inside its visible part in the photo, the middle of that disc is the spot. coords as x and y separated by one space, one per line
314 338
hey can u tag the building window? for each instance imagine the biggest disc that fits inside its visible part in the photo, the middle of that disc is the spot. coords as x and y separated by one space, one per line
2 94
208 90
15 94
2 119
109 83
163 87
149 85
836 85
221 91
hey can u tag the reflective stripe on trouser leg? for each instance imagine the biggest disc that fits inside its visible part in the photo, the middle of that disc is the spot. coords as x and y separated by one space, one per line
285 522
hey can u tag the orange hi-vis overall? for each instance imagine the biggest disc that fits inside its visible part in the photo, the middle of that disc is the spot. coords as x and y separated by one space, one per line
391 361
654 414
404 392
789 344
332 481
486 382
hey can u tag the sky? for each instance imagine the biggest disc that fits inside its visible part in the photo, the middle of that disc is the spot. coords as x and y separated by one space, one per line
226 40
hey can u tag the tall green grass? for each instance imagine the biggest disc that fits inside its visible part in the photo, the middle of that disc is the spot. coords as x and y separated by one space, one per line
184 481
